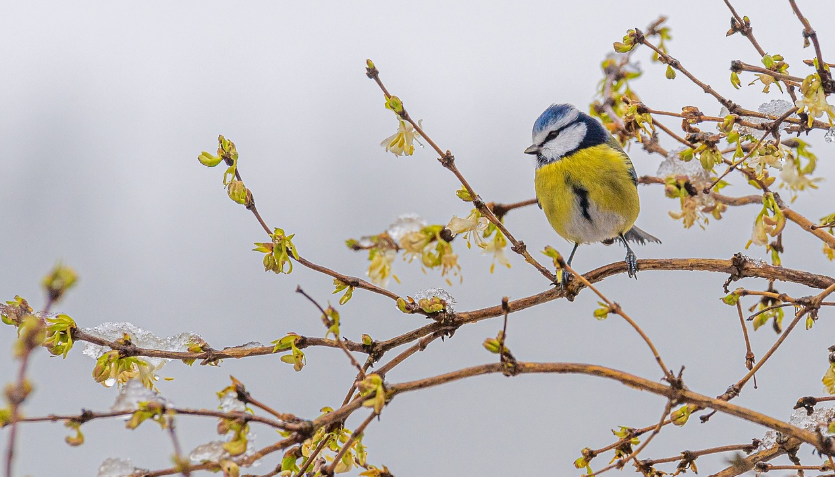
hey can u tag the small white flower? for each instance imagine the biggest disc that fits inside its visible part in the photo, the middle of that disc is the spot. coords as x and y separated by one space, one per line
401 142
814 100
759 236
796 181
473 226
379 270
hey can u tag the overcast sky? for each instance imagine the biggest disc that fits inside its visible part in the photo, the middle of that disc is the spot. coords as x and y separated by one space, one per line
106 105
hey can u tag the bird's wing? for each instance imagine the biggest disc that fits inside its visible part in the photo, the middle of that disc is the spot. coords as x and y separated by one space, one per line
614 144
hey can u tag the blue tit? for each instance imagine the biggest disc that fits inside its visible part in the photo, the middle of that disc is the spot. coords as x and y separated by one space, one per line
585 183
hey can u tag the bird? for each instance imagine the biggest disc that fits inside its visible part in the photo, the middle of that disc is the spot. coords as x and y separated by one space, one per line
585 183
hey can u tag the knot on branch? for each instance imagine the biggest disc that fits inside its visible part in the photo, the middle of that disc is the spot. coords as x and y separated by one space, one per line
249 203
519 247
306 429
738 262
447 159
128 350
211 357
677 387
86 415
730 393
808 403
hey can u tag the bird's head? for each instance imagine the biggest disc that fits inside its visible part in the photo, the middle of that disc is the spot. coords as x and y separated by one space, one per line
562 130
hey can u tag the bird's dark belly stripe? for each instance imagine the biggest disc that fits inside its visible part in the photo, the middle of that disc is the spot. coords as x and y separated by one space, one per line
583 195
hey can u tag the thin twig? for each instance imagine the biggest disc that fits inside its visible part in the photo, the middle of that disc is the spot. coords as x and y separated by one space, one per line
338 339
618 464
745 29
749 355
826 77
357 432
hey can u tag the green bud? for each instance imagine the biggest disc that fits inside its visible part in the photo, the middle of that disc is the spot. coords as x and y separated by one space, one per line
731 299
735 80
728 123
671 73
622 47
208 160
603 312
464 195
237 191
59 280
680 416
393 103
492 345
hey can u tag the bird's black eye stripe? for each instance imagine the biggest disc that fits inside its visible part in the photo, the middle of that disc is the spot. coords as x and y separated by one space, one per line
553 134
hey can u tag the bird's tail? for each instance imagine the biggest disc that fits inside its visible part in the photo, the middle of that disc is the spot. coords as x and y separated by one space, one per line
639 236
635 235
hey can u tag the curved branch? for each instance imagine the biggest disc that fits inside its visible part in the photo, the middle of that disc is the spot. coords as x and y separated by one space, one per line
671 392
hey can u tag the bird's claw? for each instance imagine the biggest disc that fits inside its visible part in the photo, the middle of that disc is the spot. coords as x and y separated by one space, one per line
631 264
563 278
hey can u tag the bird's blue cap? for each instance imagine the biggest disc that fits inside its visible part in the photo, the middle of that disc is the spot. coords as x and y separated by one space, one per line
554 114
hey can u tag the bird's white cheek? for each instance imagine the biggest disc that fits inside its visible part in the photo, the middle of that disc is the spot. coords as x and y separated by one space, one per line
568 140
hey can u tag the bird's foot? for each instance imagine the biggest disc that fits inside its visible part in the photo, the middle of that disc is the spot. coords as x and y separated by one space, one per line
631 264
563 279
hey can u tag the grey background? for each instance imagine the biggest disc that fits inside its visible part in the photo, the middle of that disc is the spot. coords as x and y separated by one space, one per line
105 106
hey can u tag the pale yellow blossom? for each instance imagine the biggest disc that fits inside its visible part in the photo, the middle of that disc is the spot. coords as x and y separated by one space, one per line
472 227
496 247
401 142
379 270
795 181
814 99
413 244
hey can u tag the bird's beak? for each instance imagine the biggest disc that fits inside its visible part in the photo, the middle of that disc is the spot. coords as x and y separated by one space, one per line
532 149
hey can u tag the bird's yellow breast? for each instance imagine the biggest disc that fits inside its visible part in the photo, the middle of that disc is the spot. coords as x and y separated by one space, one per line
590 195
